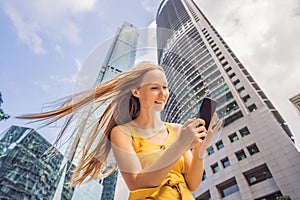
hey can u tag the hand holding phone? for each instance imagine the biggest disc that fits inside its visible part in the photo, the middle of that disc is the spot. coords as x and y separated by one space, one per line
207 109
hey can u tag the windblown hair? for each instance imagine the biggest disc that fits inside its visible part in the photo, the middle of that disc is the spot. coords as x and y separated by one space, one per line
121 107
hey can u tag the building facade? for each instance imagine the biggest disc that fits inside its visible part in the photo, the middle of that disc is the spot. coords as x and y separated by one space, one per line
296 102
254 157
27 171
120 57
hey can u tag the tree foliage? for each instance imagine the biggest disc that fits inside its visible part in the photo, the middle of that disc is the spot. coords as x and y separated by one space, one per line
3 116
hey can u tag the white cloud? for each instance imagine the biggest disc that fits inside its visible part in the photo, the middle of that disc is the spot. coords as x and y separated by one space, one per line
79 6
58 49
71 79
39 21
27 31
78 64
146 4
45 87
61 79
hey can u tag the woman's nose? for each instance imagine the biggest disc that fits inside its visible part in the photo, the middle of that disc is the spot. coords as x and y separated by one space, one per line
163 92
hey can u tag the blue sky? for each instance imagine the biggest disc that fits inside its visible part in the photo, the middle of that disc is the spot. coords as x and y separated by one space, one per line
44 42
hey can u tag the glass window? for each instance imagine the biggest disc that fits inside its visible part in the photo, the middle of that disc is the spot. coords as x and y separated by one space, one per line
257 174
220 145
232 118
244 131
241 90
272 196
228 69
232 75
233 137
225 162
210 150
253 149
225 63
215 168
228 187
240 155
246 98
236 82
252 108
220 90
204 196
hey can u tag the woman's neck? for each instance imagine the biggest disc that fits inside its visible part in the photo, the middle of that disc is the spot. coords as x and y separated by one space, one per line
148 120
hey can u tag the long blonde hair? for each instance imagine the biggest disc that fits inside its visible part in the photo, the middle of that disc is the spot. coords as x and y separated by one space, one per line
122 108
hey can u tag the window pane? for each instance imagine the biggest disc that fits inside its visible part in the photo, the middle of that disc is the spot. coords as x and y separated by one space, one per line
228 187
220 145
225 162
257 174
210 150
233 137
240 155
244 131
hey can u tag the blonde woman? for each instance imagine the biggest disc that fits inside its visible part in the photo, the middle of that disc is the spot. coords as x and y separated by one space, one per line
153 156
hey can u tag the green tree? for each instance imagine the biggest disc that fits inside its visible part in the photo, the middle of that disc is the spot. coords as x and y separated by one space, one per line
3 116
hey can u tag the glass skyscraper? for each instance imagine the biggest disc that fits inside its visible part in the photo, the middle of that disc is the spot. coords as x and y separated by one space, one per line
120 57
254 157
296 102
27 171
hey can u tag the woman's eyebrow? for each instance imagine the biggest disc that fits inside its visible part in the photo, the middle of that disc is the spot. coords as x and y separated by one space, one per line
156 83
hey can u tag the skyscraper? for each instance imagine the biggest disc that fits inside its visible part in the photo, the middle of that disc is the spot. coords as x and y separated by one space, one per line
296 102
27 172
254 157
119 57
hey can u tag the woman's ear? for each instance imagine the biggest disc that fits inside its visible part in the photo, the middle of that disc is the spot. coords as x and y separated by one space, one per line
135 93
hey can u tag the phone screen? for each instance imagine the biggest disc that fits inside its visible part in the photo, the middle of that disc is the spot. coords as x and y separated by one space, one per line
207 109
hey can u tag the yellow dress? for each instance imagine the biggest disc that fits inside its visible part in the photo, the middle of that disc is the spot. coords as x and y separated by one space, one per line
173 187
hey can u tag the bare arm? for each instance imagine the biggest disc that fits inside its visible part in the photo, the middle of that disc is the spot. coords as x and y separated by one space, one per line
128 162
194 162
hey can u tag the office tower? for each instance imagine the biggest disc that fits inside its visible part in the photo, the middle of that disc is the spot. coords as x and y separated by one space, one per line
120 57
27 172
296 102
254 157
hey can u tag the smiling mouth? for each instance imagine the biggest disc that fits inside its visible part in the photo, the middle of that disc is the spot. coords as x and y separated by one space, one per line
159 102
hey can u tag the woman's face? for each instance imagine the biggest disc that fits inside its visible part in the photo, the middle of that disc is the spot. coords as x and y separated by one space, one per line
153 92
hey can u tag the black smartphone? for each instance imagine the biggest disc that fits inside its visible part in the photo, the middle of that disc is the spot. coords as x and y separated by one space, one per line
207 109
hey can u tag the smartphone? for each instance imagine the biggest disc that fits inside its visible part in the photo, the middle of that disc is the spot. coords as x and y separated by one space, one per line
207 109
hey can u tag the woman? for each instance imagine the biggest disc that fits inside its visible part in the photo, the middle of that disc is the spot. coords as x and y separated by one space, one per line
153 156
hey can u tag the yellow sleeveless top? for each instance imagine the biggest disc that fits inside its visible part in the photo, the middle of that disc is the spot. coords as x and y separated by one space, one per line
173 187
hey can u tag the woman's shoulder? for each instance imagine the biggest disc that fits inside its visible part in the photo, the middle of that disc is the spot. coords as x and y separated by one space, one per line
121 131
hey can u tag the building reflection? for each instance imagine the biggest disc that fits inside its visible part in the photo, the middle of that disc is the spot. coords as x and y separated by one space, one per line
27 171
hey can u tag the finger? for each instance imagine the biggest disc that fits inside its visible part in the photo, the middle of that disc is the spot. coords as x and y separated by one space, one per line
189 121
194 123
217 127
201 121
212 121
202 135
201 129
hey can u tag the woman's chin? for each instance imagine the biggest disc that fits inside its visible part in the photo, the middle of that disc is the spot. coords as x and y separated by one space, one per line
158 108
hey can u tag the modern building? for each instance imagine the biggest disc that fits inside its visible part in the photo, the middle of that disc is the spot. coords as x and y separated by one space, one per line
296 102
27 171
254 157
120 57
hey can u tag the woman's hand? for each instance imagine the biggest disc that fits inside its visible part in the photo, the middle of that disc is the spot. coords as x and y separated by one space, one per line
202 146
192 133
